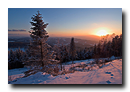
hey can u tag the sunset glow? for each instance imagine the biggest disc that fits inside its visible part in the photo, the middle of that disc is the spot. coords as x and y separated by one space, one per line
102 32
67 22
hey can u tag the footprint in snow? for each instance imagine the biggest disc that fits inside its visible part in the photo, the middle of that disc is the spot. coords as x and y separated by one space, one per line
108 82
67 77
112 75
108 72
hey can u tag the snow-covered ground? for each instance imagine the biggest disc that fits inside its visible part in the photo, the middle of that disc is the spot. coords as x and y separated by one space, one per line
110 73
14 49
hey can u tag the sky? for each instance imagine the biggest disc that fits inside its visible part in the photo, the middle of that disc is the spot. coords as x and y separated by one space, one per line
67 22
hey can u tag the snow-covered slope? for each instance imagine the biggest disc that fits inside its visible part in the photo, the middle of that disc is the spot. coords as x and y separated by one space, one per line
110 73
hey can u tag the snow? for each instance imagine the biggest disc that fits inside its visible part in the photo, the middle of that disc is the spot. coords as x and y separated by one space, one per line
14 74
17 71
14 49
110 73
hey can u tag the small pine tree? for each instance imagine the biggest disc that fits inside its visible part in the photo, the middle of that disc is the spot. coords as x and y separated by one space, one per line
120 45
95 49
72 50
65 54
115 45
11 56
56 48
109 49
99 49
19 55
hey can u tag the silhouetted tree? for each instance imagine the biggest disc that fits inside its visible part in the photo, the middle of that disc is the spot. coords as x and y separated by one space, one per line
66 54
99 48
39 49
108 49
16 59
11 56
72 50
95 49
120 45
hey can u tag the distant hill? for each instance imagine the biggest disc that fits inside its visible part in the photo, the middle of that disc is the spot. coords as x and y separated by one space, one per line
89 37
80 43
23 42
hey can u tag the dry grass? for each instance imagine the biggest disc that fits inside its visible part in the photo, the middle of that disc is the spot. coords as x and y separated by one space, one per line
80 67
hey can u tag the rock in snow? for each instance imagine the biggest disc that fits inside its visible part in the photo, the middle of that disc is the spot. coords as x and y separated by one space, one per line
110 73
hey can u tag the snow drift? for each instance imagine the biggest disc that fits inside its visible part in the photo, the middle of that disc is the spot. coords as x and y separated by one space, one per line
110 73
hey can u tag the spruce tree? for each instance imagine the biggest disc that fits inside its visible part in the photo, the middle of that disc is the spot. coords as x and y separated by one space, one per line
38 47
95 49
120 45
109 50
99 49
19 55
11 56
61 55
72 50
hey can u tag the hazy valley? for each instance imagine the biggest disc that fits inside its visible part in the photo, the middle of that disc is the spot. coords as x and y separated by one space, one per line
24 41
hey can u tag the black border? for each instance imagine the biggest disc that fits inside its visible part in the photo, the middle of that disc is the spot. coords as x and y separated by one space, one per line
125 44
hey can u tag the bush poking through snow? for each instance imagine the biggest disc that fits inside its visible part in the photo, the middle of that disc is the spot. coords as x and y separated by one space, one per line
90 66
56 69
106 61
30 72
100 65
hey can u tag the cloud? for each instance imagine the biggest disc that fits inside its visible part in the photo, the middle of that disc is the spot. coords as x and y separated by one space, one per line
15 30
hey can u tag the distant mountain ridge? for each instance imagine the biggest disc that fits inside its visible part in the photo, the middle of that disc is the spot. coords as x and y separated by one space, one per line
89 37
23 42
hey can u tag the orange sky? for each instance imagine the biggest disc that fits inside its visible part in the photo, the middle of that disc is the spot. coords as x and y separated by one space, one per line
68 22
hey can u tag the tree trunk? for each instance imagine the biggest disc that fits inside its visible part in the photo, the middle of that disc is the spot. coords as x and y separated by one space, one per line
61 65
72 60
42 56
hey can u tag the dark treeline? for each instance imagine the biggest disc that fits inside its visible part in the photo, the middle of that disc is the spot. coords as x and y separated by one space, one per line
17 44
16 59
104 49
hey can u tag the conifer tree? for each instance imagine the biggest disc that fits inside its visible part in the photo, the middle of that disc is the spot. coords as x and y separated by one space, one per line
19 55
109 50
99 49
56 48
38 47
11 56
95 49
72 50
120 45
64 53
61 55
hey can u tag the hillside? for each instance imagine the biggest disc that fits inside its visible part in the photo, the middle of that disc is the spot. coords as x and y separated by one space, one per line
110 73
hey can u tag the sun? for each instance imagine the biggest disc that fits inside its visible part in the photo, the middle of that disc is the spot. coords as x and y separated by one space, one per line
102 32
